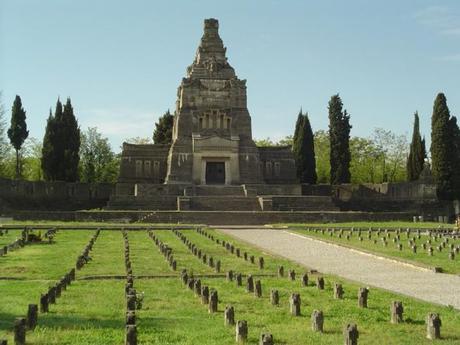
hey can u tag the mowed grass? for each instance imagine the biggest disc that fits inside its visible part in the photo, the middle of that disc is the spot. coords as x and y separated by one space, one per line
93 311
9 237
438 259
387 224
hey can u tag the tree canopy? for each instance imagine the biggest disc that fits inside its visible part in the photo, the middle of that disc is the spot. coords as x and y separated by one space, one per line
18 133
339 136
163 129
417 152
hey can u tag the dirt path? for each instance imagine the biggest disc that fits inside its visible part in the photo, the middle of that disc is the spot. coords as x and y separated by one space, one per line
355 265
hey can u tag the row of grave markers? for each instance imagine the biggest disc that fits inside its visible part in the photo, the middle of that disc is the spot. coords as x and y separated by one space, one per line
22 324
26 237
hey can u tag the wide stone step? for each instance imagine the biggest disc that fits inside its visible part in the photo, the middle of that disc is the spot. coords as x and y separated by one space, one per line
224 203
215 190
303 203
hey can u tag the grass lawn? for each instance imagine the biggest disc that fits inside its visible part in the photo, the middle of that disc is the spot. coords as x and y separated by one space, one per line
438 259
93 311
389 224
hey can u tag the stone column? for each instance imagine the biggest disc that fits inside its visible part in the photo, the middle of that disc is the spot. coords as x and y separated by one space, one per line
258 289
197 288
433 326
44 304
239 279
351 334
266 339
320 283
20 331
397 310
131 335
305 279
241 331
229 316
204 295
317 321
362 297
213 302
261 263
250 284
230 275
274 297
130 318
280 271
338 291
32 316
294 302
131 302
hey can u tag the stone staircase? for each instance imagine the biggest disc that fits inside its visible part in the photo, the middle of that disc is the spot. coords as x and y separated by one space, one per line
224 203
215 190
303 203
131 202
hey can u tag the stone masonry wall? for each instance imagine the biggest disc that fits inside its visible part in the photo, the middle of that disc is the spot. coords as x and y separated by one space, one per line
23 195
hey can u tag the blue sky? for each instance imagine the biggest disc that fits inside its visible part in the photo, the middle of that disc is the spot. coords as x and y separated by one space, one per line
122 61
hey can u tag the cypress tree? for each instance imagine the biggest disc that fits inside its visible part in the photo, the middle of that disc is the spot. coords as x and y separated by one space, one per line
455 154
307 152
297 143
298 126
71 143
303 148
58 140
441 148
339 136
417 152
18 133
163 129
49 162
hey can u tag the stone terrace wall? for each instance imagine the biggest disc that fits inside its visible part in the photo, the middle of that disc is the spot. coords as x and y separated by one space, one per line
213 217
41 195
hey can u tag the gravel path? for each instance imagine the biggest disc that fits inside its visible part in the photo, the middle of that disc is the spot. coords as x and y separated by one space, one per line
355 265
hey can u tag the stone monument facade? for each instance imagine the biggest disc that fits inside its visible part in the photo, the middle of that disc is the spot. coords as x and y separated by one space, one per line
212 137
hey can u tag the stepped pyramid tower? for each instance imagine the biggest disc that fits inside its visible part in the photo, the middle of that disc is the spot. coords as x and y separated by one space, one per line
212 138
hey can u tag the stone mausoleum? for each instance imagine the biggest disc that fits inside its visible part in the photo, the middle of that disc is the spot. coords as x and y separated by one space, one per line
213 163
212 137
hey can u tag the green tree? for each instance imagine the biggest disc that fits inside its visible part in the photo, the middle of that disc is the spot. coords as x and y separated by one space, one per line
4 146
322 154
98 162
339 136
417 153
455 151
304 150
366 163
31 154
163 129
18 133
441 148
70 134
49 159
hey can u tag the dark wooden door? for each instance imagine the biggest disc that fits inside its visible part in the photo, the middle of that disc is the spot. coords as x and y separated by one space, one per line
215 173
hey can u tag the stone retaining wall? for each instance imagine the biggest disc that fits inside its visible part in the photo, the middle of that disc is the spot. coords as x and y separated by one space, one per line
213 217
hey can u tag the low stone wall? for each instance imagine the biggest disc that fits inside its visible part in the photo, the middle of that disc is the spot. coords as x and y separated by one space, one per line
19 194
213 217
